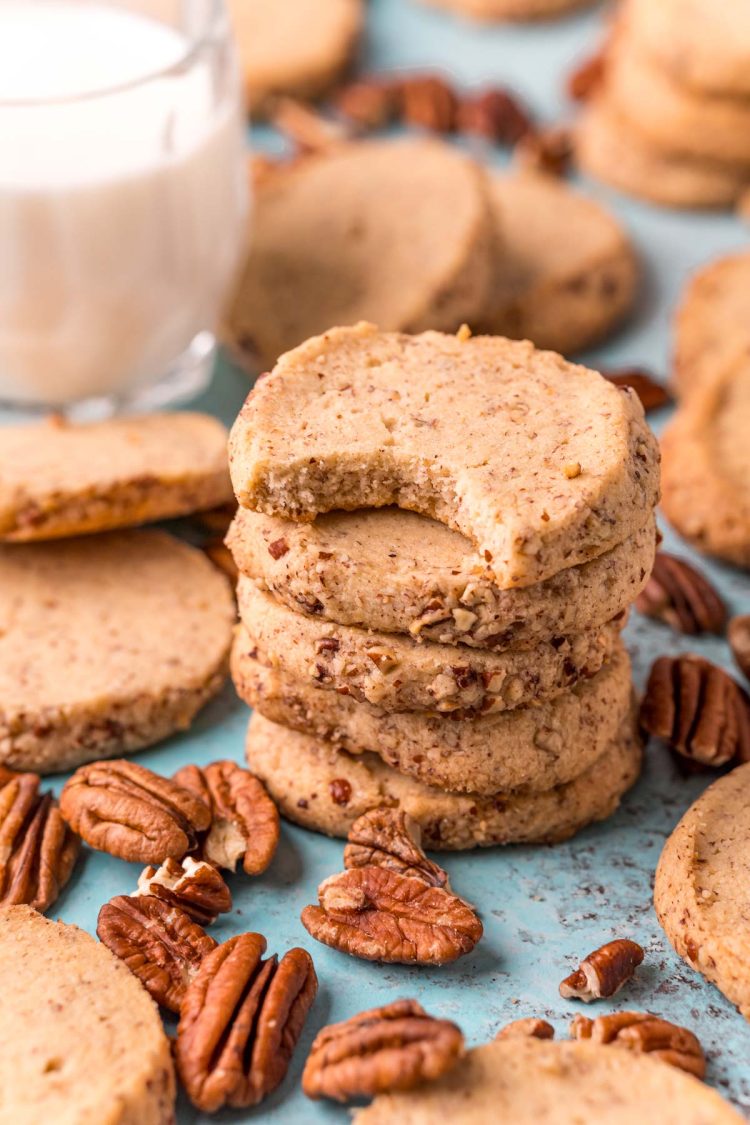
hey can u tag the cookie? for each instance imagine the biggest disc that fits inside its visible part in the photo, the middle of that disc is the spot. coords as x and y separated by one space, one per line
529 1081
398 231
299 48
325 789
107 645
532 748
567 273
686 38
58 479
706 466
701 889
510 9
82 1040
542 464
396 673
610 149
673 117
394 571
712 323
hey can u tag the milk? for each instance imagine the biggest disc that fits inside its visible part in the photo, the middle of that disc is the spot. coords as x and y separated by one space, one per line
122 196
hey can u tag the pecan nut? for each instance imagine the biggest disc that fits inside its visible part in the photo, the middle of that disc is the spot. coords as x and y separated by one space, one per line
132 813
699 710
739 640
652 394
587 77
191 885
37 849
681 597
530 1028
395 1047
549 151
240 1021
429 102
645 1033
603 972
496 115
386 837
159 943
244 820
380 915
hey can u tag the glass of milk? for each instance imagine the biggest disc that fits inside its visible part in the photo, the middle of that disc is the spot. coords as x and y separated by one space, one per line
122 198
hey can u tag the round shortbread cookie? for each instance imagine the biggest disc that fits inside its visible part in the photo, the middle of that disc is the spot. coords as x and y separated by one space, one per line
530 1081
702 890
325 789
611 149
699 42
567 274
516 10
396 673
400 232
106 645
706 465
83 1043
394 571
673 117
542 464
712 323
532 748
58 479
299 48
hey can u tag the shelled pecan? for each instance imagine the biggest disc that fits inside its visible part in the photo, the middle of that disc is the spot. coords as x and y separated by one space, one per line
681 597
428 101
132 813
37 849
240 1021
739 640
653 395
380 915
395 1047
497 115
549 151
159 943
587 77
647 1034
698 709
532 1027
386 837
244 823
194 886
603 972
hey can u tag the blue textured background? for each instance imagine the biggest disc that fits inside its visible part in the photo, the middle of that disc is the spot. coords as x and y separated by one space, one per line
543 908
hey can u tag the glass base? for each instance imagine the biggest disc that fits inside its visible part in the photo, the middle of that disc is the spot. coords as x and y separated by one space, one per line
189 376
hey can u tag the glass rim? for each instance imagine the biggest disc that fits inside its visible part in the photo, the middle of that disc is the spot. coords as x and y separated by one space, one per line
216 20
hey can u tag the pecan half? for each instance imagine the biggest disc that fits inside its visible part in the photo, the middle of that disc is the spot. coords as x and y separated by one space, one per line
132 813
240 1021
587 77
739 639
395 1047
698 709
159 943
244 820
530 1028
37 849
652 394
192 885
386 837
549 151
497 115
381 915
429 102
681 597
603 972
645 1033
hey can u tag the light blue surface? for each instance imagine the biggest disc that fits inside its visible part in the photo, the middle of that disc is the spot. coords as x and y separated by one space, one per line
542 908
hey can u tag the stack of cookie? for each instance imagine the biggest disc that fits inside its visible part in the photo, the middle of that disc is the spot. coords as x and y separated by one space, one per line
671 120
461 659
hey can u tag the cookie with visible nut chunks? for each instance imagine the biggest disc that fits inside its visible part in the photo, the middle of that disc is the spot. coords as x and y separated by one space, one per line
542 464
82 1040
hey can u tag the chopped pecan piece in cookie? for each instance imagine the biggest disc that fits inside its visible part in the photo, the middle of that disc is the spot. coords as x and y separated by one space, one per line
133 813
652 394
194 886
698 709
603 972
381 915
681 597
532 1027
739 640
386 837
244 820
37 849
158 942
240 1021
646 1033
395 1047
